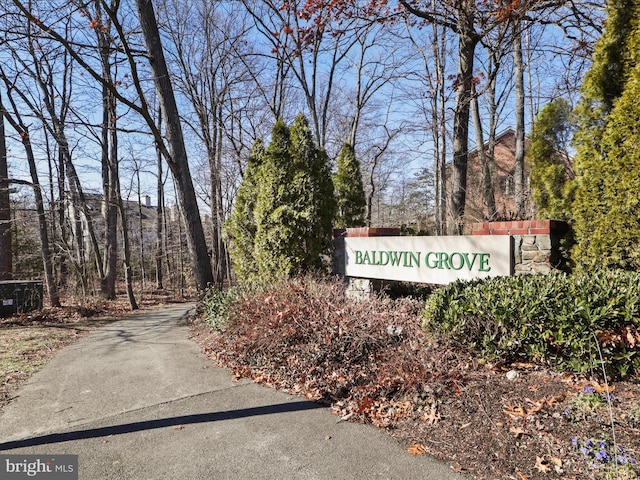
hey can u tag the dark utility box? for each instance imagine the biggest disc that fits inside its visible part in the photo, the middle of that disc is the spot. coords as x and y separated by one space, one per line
20 296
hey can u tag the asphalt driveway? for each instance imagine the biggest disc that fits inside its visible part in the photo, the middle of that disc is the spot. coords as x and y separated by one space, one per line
138 400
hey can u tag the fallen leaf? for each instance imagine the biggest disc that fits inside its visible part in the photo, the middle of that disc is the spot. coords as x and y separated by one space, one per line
631 338
535 406
521 476
596 386
541 466
516 411
603 388
363 405
524 365
555 399
432 417
517 431
417 449
347 416
556 461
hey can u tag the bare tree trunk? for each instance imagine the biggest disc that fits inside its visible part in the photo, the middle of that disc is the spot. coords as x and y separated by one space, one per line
52 288
143 269
178 163
520 100
486 161
467 43
109 160
372 192
77 231
217 213
57 259
61 214
160 220
372 183
115 191
79 202
128 276
110 206
6 252
17 124
440 135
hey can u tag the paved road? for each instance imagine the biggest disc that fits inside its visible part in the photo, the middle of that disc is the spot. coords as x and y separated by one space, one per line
138 400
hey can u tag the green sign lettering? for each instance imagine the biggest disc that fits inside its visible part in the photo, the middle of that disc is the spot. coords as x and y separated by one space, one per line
484 262
432 260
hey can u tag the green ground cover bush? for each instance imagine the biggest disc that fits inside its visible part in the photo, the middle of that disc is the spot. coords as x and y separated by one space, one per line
219 305
570 322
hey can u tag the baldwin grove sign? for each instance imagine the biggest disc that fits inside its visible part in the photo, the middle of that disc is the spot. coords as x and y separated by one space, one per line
436 260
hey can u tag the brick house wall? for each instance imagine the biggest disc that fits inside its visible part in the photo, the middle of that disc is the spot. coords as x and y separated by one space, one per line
504 187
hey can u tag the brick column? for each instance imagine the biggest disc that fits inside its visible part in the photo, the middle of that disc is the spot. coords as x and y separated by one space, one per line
536 246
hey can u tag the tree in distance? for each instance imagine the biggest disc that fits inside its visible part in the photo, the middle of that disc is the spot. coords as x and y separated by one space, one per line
551 165
349 190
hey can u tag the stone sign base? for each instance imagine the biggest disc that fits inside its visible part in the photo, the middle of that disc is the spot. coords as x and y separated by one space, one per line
536 243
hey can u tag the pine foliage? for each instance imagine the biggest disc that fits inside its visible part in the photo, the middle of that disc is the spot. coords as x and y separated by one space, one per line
276 216
606 207
349 190
551 171
240 227
286 229
315 195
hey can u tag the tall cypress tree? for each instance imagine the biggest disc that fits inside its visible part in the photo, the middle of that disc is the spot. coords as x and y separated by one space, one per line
240 227
277 247
349 191
283 215
608 199
315 202
606 209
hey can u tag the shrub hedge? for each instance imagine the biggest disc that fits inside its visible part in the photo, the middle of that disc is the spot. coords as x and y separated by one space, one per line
570 322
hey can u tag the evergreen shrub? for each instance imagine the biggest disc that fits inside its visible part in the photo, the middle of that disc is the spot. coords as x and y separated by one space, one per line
349 190
283 214
558 320
219 305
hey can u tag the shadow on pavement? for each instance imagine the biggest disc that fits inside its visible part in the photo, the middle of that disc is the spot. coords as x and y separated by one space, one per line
159 423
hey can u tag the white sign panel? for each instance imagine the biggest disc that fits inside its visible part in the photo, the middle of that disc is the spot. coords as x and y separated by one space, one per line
436 260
